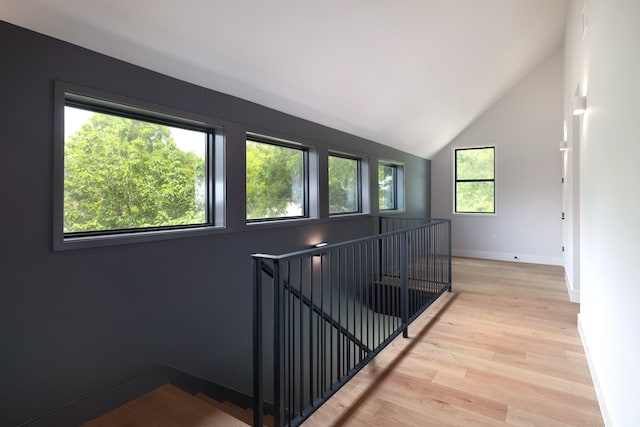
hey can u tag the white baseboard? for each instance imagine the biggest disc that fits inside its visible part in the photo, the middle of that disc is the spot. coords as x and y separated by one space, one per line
501 256
574 294
594 376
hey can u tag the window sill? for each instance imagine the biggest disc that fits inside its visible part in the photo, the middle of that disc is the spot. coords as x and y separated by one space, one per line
475 213
278 222
392 212
346 214
70 243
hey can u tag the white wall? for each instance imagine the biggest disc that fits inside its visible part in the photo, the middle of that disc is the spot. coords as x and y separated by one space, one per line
606 63
571 229
571 188
526 127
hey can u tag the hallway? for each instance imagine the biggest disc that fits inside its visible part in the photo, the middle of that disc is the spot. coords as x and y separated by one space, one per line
502 349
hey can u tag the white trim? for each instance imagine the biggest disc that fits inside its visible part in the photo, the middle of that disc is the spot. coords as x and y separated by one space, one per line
501 256
574 294
594 377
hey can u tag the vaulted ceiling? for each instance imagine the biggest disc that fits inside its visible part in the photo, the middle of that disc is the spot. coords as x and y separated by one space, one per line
411 74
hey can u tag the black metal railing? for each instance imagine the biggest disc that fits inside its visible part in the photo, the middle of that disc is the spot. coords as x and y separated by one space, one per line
318 310
321 314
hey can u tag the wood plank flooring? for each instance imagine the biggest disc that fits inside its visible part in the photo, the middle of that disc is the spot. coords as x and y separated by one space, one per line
501 350
169 406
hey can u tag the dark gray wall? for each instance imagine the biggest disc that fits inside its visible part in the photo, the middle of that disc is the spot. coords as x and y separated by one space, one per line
72 322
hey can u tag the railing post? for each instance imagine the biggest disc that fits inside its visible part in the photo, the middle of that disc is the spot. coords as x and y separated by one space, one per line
449 244
278 374
404 282
258 397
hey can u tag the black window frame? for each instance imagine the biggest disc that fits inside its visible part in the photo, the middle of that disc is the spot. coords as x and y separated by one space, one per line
398 186
456 180
358 161
89 99
305 174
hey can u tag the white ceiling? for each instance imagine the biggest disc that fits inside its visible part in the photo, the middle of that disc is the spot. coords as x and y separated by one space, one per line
411 74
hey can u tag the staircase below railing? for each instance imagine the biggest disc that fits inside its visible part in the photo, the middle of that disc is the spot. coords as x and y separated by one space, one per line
318 310
161 395
320 315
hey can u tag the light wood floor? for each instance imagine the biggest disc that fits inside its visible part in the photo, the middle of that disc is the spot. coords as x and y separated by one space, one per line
501 350
169 406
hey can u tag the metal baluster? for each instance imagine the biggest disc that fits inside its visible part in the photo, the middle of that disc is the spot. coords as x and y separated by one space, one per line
291 343
301 342
311 370
404 284
278 401
332 316
354 291
360 292
258 397
323 342
338 291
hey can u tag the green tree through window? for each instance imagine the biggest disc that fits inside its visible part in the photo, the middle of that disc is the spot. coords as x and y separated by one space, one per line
475 180
276 181
122 173
387 187
344 185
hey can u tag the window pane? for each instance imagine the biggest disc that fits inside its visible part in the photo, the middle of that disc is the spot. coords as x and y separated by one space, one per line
387 186
121 173
475 197
476 163
276 184
343 185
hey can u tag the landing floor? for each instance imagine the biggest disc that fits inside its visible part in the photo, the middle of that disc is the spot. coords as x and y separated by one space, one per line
501 350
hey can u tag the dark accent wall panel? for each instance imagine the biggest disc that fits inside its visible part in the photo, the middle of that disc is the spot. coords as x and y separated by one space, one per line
73 322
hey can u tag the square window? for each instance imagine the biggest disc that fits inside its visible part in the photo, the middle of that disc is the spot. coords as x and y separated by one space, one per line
277 180
475 180
344 185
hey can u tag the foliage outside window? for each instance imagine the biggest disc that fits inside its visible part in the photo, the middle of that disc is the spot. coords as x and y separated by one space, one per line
123 173
276 181
344 185
387 186
475 180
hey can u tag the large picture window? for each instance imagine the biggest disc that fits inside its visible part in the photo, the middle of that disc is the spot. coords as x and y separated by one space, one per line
127 171
123 173
277 180
344 185
475 180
